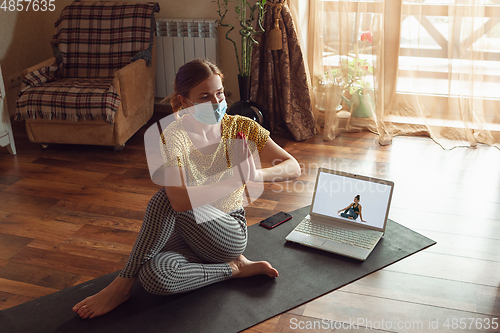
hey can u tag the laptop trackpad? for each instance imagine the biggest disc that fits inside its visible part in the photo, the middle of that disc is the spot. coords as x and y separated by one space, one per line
304 238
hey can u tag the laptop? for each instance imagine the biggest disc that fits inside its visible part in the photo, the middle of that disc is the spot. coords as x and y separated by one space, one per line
348 214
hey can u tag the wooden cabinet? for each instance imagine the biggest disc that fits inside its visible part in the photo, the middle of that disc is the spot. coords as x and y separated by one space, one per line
6 136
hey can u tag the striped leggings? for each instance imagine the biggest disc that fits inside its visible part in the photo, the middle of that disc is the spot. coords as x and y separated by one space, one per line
174 254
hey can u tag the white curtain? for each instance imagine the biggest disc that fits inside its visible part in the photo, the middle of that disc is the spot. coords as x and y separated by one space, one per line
434 67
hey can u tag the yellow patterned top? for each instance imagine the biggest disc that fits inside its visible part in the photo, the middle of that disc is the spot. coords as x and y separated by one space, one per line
200 169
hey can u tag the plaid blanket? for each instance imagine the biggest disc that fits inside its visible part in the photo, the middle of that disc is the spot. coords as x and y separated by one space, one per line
93 40
72 99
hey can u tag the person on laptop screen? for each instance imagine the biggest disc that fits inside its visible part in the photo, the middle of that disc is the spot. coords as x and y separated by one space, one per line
353 210
326 229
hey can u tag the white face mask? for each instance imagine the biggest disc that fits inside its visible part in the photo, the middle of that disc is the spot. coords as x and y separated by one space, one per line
209 113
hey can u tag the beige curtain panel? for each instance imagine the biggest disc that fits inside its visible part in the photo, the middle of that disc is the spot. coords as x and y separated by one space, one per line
404 67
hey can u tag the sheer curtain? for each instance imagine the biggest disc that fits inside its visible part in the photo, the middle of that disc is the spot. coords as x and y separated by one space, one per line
436 66
448 72
345 54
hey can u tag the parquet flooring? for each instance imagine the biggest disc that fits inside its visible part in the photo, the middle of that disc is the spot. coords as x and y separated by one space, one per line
69 214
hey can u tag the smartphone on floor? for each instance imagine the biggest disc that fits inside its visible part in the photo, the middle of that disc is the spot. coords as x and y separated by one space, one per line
275 220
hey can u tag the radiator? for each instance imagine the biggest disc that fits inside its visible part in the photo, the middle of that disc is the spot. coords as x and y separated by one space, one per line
179 41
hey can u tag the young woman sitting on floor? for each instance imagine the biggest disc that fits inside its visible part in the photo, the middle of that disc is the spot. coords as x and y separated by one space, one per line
194 230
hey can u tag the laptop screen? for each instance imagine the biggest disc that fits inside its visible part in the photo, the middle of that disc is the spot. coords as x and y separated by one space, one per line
352 198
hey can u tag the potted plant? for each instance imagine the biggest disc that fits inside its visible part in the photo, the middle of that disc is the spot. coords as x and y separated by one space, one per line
351 74
351 77
246 15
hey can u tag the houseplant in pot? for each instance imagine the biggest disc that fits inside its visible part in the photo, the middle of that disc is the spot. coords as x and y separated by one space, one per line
351 76
346 79
246 15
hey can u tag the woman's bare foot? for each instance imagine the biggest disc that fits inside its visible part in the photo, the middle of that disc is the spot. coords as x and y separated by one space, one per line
242 267
106 300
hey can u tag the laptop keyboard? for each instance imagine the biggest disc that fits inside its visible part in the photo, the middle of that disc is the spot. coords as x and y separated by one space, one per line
337 234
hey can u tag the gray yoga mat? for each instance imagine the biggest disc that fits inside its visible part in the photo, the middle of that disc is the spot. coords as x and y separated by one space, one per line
228 306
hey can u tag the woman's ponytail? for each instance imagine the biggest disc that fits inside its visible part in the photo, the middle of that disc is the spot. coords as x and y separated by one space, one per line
174 101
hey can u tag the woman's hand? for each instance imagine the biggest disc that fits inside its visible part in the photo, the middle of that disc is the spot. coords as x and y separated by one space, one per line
361 216
345 208
244 160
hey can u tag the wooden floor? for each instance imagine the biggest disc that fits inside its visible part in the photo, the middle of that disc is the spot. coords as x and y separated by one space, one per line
69 214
